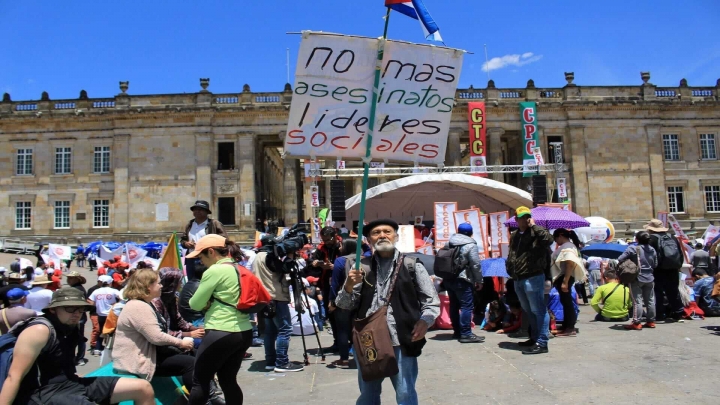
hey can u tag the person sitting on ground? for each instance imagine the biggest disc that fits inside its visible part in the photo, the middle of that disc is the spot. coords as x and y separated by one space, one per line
14 280
141 346
495 316
612 300
16 311
513 319
103 299
40 296
642 289
703 292
167 306
42 370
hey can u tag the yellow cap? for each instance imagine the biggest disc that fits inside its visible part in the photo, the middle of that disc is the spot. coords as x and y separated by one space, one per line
522 211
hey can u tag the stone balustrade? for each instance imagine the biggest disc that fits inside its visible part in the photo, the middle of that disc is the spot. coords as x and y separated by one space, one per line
647 92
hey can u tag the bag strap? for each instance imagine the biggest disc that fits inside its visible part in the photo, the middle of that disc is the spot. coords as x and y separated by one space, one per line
237 271
400 262
637 251
5 319
611 293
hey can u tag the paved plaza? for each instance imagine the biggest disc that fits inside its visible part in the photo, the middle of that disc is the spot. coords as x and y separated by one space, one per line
675 363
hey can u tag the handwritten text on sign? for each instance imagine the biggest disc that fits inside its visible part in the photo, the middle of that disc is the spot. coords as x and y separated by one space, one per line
330 107
444 222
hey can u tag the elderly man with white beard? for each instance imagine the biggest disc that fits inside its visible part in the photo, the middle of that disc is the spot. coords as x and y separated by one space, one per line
393 295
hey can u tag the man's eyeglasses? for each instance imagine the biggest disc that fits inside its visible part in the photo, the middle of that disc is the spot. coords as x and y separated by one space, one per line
74 310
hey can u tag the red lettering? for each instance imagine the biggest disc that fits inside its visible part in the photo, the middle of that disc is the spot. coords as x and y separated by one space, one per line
291 135
399 143
384 149
529 131
529 145
336 145
358 142
431 151
312 140
410 148
528 114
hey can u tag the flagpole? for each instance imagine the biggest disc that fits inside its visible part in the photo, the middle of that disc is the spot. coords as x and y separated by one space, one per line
368 148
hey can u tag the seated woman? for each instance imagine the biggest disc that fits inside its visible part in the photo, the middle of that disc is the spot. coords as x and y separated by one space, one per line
513 319
167 306
494 316
143 346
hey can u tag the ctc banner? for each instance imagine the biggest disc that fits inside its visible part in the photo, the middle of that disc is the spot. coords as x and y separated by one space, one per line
333 94
478 136
444 222
528 117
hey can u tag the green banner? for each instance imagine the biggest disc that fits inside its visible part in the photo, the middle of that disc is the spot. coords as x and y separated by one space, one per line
528 116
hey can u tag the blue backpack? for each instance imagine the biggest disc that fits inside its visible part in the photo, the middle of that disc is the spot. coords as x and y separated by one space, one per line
7 347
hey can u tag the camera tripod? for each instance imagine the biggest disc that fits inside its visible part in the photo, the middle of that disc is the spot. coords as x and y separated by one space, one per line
298 293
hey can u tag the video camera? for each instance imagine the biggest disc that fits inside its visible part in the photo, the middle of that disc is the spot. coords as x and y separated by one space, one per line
281 246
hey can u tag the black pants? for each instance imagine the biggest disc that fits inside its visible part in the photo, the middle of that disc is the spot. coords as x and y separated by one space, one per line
170 365
566 299
582 292
83 391
343 328
666 285
99 342
221 353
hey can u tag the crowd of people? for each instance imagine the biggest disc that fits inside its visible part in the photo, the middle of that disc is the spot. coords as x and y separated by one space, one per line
165 323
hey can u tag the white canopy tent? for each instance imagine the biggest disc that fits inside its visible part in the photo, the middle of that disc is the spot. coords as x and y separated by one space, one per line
405 198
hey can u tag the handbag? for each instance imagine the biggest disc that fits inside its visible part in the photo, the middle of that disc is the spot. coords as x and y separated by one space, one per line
372 343
629 270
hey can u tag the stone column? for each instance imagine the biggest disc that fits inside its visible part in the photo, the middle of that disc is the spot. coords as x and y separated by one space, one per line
452 153
204 148
121 206
246 162
656 164
494 157
579 184
290 191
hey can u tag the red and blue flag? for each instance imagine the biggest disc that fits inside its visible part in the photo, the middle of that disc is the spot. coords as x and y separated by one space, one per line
416 9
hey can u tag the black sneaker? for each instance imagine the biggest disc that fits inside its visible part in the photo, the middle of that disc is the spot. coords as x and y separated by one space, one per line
670 320
537 349
527 343
471 338
289 368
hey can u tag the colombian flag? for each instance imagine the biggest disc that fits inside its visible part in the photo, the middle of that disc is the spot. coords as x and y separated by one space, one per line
416 9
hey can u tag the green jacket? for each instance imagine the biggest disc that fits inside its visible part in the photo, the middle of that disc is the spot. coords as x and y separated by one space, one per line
529 253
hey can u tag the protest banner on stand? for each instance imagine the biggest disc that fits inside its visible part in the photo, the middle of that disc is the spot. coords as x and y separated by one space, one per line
444 222
675 226
711 233
498 232
406 238
528 117
472 216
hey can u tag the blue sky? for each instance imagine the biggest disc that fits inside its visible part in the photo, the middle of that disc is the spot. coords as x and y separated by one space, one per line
166 46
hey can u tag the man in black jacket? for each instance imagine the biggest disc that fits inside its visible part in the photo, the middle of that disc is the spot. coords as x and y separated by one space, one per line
526 264
196 228
667 273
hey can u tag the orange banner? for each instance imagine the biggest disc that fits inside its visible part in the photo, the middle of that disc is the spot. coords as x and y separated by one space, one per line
478 135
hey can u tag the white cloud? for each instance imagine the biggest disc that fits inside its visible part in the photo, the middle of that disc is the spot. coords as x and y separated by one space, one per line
510 60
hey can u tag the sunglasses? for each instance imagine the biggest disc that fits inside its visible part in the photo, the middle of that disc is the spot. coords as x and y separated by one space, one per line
74 310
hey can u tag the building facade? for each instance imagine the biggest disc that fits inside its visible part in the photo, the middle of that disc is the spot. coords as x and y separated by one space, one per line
129 167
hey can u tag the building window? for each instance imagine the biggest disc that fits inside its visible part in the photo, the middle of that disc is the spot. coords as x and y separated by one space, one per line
24 162
226 156
23 215
101 162
226 210
712 198
62 214
676 200
707 147
101 213
63 157
671 147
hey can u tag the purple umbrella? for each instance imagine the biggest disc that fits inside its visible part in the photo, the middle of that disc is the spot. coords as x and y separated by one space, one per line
553 218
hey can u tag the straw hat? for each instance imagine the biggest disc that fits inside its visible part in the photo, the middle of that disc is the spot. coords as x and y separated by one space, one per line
655 225
41 280
75 274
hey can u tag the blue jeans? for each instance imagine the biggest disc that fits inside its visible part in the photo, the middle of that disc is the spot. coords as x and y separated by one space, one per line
531 293
403 382
198 323
277 335
460 292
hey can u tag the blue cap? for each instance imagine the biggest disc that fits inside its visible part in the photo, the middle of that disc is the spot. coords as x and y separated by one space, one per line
465 229
16 294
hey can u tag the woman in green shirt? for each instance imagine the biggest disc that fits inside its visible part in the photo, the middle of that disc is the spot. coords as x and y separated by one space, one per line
228 332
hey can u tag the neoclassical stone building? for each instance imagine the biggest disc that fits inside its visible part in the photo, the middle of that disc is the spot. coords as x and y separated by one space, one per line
128 167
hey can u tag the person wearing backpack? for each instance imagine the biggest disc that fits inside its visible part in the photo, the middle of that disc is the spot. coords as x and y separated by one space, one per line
38 364
667 274
460 281
642 288
228 332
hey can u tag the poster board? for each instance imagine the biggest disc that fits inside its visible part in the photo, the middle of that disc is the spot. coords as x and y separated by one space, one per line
444 222
406 238
426 250
499 233
472 216
663 216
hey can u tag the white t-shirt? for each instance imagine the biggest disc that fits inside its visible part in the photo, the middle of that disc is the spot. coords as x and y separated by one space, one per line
248 264
308 326
197 231
104 298
38 299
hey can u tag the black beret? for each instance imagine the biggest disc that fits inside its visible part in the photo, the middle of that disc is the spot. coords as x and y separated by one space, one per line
374 224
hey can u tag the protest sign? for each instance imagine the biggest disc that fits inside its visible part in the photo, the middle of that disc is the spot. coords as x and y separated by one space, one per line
485 234
537 155
478 136
711 233
135 254
676 227
472 217
59 252
418 220
332 97
498 231
406 238
314 196
528 116
562 187
444 222
426 250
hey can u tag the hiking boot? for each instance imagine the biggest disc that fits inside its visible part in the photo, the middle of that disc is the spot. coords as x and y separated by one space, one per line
567 333
289 368
536 349
471 338
527 343
650 325
633 326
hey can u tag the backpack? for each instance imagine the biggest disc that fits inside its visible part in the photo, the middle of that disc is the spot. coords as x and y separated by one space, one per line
448 262
669 255
254 298
628 270
31 381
